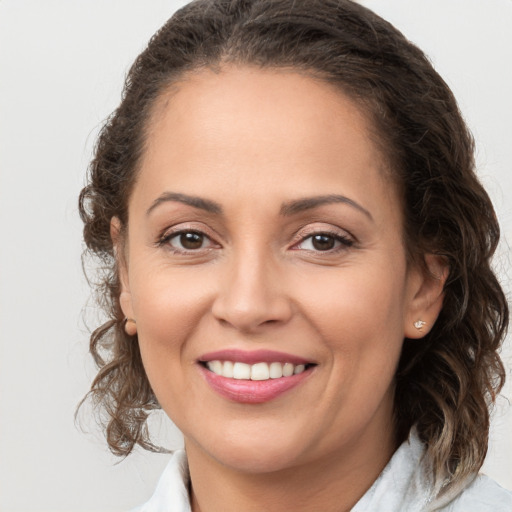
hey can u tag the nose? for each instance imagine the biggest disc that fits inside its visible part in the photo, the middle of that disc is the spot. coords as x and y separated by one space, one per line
252 294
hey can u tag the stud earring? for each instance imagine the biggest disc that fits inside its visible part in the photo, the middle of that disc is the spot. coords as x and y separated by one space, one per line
130 326
419 324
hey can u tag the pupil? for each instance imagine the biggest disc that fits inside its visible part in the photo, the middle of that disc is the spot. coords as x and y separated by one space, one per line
191 240
323 242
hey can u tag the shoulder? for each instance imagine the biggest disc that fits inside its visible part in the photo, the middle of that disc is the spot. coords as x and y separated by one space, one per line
405 484
482 495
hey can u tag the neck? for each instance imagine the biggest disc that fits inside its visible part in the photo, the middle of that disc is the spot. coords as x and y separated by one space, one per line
332 484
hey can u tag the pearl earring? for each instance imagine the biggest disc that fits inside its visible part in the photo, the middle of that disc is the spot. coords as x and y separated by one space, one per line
419 324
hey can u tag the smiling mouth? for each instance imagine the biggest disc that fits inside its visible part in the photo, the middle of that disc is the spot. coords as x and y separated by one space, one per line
256 372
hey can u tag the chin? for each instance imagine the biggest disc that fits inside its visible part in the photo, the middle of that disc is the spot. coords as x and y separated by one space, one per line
258 461
256 454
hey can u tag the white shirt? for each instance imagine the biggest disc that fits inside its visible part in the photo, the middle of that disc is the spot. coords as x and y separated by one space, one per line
401 487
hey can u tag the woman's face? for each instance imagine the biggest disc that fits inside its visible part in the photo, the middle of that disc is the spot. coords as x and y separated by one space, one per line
264 237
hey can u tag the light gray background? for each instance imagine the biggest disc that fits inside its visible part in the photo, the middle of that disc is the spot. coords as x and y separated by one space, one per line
62 65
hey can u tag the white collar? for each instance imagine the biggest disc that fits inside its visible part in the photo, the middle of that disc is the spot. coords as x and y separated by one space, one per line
171 493
403 485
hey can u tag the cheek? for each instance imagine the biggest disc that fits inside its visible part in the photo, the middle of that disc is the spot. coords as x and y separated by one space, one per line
169 302
169 307
355 305
360 322
359 316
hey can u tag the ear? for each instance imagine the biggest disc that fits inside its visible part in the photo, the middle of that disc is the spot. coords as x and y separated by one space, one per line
426 293
125 297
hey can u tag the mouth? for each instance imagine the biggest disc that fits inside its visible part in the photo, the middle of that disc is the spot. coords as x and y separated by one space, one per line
253 377
259 371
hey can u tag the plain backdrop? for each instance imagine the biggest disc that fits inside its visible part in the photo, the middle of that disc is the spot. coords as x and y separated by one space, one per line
62 65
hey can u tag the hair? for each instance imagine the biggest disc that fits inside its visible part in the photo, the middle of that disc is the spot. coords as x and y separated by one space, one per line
446 383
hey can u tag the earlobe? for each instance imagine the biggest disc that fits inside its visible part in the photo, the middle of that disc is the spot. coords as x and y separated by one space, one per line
130 326
426 297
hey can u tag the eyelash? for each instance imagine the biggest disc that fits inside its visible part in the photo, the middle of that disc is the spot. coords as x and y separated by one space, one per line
166 238
345 241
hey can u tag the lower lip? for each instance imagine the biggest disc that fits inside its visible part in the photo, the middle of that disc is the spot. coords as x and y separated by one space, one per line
252 391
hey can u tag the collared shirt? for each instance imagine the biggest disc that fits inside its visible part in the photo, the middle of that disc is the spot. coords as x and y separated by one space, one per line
403 486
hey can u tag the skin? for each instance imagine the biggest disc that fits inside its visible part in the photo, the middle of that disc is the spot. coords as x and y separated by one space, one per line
251 141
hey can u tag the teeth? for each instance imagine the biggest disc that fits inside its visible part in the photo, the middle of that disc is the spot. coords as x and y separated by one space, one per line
227 369
258 371
216 367
241 371
299 369
276 370
288 370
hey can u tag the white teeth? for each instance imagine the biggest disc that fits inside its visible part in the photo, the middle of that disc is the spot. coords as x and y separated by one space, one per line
276 370
258 371
287 370
241 371
299 369
227 369
215 366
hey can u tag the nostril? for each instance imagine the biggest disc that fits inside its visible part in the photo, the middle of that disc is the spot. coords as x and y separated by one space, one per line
251 317
250 298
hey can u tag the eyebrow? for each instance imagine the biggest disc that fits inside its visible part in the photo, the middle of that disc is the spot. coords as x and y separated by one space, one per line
308 203
287 209
194 201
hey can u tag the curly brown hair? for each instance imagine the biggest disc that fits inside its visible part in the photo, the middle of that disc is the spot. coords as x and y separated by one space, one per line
444 385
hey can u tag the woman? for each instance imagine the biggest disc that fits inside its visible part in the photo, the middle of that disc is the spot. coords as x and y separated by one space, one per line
298 266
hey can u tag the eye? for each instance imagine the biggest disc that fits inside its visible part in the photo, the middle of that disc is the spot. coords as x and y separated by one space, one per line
324 242
187 241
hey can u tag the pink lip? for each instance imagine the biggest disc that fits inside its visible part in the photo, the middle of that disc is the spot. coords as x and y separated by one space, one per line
252 391
253 357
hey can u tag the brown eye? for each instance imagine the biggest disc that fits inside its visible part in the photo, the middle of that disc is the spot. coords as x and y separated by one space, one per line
191 240
323 242
188 241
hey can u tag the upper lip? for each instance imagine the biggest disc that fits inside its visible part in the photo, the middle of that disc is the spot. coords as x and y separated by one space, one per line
253 357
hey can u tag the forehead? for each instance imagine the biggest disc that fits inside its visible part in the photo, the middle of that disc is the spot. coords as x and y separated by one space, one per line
216 130
278 102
